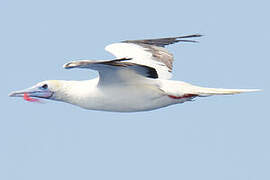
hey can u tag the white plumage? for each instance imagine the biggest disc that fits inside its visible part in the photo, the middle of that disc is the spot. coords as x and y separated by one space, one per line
137 80
140 55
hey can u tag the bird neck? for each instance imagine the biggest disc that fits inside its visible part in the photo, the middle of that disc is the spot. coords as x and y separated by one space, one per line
75 92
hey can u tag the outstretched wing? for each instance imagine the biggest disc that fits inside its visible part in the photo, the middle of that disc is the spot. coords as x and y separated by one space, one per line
149 52
136 60
115 71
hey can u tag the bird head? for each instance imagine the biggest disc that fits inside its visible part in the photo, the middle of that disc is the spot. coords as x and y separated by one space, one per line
45 89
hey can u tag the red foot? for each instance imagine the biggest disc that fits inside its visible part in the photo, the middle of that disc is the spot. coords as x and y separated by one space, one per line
184 96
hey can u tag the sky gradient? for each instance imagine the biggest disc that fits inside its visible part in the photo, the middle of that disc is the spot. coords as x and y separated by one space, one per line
221 137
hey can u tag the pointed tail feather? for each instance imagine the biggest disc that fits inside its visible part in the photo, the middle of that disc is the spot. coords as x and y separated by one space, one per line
201 91
180 88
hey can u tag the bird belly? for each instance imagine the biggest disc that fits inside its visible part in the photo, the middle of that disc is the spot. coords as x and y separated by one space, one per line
128 99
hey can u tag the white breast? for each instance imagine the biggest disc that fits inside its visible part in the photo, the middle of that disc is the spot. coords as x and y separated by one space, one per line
120 98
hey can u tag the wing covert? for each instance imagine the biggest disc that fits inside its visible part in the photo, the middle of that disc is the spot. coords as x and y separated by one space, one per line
149 52
115 71
156 57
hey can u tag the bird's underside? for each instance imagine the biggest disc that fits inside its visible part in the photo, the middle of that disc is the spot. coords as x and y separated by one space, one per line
136 80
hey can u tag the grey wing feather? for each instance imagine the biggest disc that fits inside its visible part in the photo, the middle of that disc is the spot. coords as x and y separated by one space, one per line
100 65
160 54
162 42
156 47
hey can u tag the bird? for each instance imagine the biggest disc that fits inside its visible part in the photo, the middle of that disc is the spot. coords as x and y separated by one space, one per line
137 79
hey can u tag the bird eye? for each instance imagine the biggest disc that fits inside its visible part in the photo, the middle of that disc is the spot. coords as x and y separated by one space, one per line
45 86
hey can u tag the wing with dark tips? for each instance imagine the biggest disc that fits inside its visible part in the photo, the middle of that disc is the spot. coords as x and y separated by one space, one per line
136 60
111 66
150 52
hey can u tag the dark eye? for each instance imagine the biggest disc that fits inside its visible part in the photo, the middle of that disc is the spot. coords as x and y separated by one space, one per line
45 86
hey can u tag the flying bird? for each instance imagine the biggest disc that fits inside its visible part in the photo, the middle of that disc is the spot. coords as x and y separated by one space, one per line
138 79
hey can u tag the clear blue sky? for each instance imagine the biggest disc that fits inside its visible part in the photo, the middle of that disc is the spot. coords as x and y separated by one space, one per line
216 138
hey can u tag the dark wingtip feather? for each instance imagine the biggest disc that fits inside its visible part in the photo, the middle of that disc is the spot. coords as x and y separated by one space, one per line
189 36
183 38
162 42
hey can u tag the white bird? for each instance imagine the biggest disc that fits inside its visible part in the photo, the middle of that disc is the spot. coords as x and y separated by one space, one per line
137 80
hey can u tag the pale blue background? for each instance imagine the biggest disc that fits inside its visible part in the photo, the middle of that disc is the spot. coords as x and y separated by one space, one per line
216 138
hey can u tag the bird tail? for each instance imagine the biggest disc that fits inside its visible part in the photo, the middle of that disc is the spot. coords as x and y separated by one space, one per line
202 91
179 88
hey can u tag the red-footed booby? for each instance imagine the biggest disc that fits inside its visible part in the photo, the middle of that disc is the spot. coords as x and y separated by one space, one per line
137 80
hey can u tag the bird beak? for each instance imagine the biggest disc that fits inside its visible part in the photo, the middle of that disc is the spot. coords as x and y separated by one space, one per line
33 92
